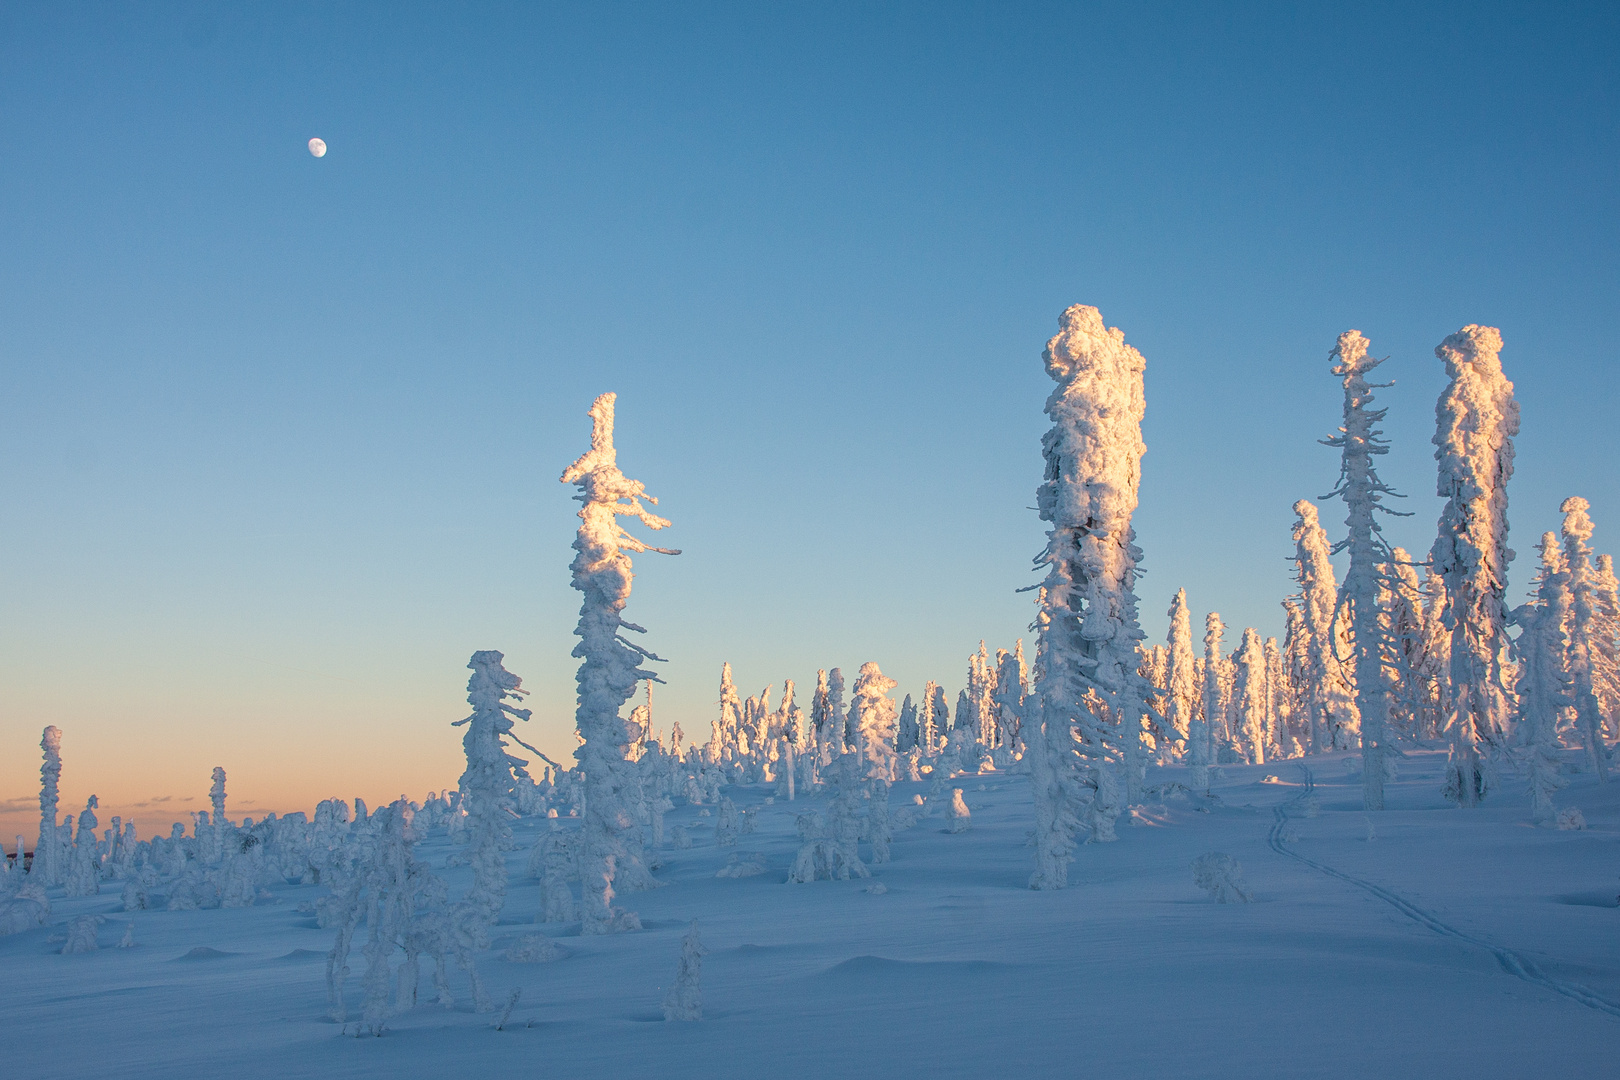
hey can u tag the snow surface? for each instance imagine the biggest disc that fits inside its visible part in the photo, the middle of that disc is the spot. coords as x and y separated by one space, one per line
1472 944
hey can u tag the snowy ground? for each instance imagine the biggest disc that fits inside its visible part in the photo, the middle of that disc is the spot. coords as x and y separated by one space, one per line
1454 944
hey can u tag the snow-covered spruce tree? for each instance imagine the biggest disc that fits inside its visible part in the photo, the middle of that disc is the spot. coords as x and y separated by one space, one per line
875 735
723 737
47 867
821 719
1249 694
1363 493
928 718
1413 701
401 901
1544 688
1217 688
1279 701
684 1000
221 827
1589 652
906 734
609 670
1326 638
1607 591
1086 667
1011 690
487 786
83 876
1181 694
1476 419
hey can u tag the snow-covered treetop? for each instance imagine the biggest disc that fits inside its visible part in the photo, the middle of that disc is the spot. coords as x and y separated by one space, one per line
607 493
1577 522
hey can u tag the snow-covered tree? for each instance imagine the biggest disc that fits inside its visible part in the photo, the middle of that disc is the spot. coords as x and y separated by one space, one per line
723 735
684 999
1086 667
488 783
1249 693
401 902
1217 688
1363 493
609 670
1607 628
874 720
1279 701
1325 637
216 797
822 719
1415 705
1181 693
906 736
1589 652
1544 688
932 717
47 866
1476 419
83 877
1012 687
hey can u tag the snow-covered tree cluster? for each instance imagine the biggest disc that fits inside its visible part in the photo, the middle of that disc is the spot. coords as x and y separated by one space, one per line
1404 650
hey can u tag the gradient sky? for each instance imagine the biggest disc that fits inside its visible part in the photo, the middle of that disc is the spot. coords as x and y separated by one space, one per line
280 437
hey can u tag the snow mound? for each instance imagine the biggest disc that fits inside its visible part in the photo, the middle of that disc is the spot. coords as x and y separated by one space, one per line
533 949
203 952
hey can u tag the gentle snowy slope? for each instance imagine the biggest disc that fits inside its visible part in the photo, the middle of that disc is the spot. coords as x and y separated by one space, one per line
958 969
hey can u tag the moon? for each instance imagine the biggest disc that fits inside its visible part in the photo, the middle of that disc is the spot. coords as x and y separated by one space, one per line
317 148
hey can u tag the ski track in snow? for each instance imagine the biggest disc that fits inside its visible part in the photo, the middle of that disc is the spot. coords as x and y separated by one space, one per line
1514 964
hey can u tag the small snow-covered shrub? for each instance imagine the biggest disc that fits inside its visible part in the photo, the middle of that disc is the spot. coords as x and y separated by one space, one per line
81 935
128 940
533 949
1221 876
684 1001
1570 817
958 813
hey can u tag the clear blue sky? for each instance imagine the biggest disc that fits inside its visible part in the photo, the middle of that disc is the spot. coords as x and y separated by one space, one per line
280 437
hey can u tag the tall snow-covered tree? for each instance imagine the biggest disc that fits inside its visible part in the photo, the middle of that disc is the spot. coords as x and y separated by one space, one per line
1249 694
1544 688
47 865
932 717
1325 643
906 738
1279 701
609 670
1086 667
488 784
1607 590
1362 491
723 735
1476 419
1181 694
1217 688
874 720
1589 653
1011 688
